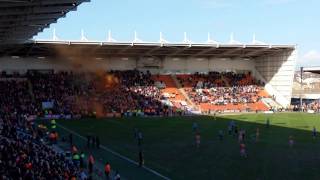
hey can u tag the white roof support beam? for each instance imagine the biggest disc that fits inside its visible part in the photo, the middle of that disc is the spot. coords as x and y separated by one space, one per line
126 49
256 52
148 53
232 51
203 52
122 51
178 51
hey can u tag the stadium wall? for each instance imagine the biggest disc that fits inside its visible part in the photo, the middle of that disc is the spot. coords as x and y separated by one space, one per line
23 64
192 65
277 71
167 65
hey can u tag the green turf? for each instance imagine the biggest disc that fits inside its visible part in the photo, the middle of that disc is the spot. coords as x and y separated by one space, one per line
168 146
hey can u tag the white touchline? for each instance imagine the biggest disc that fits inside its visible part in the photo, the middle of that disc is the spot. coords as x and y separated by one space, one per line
117 154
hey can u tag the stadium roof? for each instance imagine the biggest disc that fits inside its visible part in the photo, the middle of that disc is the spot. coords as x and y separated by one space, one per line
141 49
312 69
20 20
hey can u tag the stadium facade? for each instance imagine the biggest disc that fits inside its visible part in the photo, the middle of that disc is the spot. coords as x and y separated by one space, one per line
273 65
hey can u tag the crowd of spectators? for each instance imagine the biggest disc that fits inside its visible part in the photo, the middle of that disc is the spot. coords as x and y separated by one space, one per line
314 105
15 99
117 93
221 88
24 157
83 94
307 105
226 95
136 93
59 88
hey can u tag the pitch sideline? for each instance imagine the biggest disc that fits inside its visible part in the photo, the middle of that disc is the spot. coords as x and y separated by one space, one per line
117 154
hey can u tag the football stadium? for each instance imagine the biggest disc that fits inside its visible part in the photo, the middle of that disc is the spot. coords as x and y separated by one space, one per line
111 109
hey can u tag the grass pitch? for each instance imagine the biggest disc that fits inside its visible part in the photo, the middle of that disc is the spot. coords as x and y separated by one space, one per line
169 146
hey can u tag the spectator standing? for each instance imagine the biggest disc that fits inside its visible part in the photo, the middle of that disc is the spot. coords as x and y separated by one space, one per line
107 170
141 158
90 163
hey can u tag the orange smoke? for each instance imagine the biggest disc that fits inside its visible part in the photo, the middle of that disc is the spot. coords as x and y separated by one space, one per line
98 109
105 80
110 81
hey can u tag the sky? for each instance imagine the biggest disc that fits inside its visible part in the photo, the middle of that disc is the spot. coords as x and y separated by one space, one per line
293 22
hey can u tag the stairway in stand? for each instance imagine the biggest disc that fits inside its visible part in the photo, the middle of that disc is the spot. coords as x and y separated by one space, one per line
183 92
224 79
176 97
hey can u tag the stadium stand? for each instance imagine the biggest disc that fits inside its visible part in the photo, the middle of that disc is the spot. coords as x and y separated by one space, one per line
24 152
103 94
213 91
129 93
25 156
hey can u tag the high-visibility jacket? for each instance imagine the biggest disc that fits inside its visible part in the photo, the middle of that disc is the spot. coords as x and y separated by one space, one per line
53 124
76 157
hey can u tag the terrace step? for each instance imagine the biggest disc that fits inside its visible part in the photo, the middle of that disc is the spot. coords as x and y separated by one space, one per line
270 103
182 91
172 89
